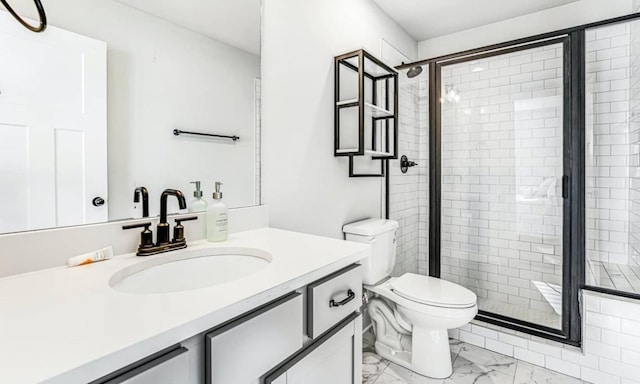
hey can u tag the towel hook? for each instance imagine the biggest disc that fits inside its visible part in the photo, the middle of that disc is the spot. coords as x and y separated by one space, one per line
41 14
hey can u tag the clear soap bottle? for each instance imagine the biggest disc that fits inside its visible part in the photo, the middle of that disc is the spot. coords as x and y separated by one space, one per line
217 217
198 204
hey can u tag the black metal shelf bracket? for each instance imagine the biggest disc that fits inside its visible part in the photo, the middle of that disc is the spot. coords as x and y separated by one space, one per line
179 132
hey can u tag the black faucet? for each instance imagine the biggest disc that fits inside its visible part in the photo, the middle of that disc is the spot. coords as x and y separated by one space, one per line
163 226
145 199
146 246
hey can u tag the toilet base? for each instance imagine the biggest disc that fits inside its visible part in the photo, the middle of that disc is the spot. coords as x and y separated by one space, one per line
421 350
430 355
402 358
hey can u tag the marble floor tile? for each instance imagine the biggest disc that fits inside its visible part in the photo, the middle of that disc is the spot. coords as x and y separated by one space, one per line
386 378
372 367
471 365
409 377
454 346
468 372
485 358
531 374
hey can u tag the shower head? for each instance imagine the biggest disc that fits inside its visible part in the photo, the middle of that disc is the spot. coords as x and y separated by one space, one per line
414 71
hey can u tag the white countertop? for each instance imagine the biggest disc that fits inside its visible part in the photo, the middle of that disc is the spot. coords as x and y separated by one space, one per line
67 325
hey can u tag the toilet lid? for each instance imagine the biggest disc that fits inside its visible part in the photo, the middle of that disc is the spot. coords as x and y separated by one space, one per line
433 291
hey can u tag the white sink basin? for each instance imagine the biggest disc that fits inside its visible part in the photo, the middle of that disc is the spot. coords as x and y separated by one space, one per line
189 269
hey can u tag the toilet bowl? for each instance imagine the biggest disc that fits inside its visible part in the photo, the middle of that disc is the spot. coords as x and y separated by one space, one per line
425 320
411 313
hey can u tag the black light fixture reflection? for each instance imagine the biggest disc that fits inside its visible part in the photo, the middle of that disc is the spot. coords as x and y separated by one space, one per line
414 71
41 14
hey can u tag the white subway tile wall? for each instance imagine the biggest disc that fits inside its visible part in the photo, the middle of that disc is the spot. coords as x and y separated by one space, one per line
634 148
612 151
611 350
408 192
501 180
423 187
607 143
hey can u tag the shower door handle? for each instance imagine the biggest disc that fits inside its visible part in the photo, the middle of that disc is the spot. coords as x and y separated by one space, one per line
565 187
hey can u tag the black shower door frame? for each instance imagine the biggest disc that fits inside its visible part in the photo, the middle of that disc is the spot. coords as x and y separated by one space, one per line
570 303
574 245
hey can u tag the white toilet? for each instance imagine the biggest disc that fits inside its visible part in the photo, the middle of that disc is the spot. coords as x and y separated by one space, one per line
411 313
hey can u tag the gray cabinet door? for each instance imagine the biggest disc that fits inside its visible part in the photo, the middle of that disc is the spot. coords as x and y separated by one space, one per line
246 349
171 368
334 358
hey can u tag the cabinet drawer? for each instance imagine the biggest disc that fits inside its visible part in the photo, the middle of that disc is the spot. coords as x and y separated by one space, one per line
245 349
333 298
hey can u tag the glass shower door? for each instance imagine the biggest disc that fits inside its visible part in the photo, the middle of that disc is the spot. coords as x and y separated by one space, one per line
501 153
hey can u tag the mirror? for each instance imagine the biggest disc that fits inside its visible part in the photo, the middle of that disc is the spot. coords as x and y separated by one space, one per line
88 108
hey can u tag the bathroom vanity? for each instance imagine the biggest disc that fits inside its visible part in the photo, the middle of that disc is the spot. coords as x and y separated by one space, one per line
292 318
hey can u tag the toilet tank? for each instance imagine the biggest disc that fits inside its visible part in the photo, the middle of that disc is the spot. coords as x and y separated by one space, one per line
381 234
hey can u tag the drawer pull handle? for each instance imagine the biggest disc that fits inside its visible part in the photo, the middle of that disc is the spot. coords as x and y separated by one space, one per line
350 296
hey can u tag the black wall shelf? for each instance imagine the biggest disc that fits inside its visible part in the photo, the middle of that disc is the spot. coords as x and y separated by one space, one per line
371 104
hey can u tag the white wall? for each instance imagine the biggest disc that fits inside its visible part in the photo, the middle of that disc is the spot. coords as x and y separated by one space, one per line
569 15
160 77
307 188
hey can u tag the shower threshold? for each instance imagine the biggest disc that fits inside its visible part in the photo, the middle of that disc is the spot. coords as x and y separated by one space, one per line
532 315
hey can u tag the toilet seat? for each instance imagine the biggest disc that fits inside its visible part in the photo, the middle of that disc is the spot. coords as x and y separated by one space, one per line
432 291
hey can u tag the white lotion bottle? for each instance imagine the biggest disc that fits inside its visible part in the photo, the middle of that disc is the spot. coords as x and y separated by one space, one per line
198 204
217 217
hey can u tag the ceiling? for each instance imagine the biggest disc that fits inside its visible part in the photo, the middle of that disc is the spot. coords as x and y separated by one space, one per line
425 19
236 22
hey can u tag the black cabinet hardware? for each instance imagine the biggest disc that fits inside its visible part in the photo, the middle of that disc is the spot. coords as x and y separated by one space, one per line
350 296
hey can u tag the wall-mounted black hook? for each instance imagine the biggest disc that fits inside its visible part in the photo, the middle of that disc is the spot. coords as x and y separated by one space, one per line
405 164
41 14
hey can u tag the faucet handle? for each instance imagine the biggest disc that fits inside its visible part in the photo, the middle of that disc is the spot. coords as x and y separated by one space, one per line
146 236
178 229
180 220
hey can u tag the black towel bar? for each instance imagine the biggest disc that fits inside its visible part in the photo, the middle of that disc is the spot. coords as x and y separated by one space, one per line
178 132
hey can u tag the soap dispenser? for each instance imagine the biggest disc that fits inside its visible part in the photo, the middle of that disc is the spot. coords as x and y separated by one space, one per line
198 204
217 217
